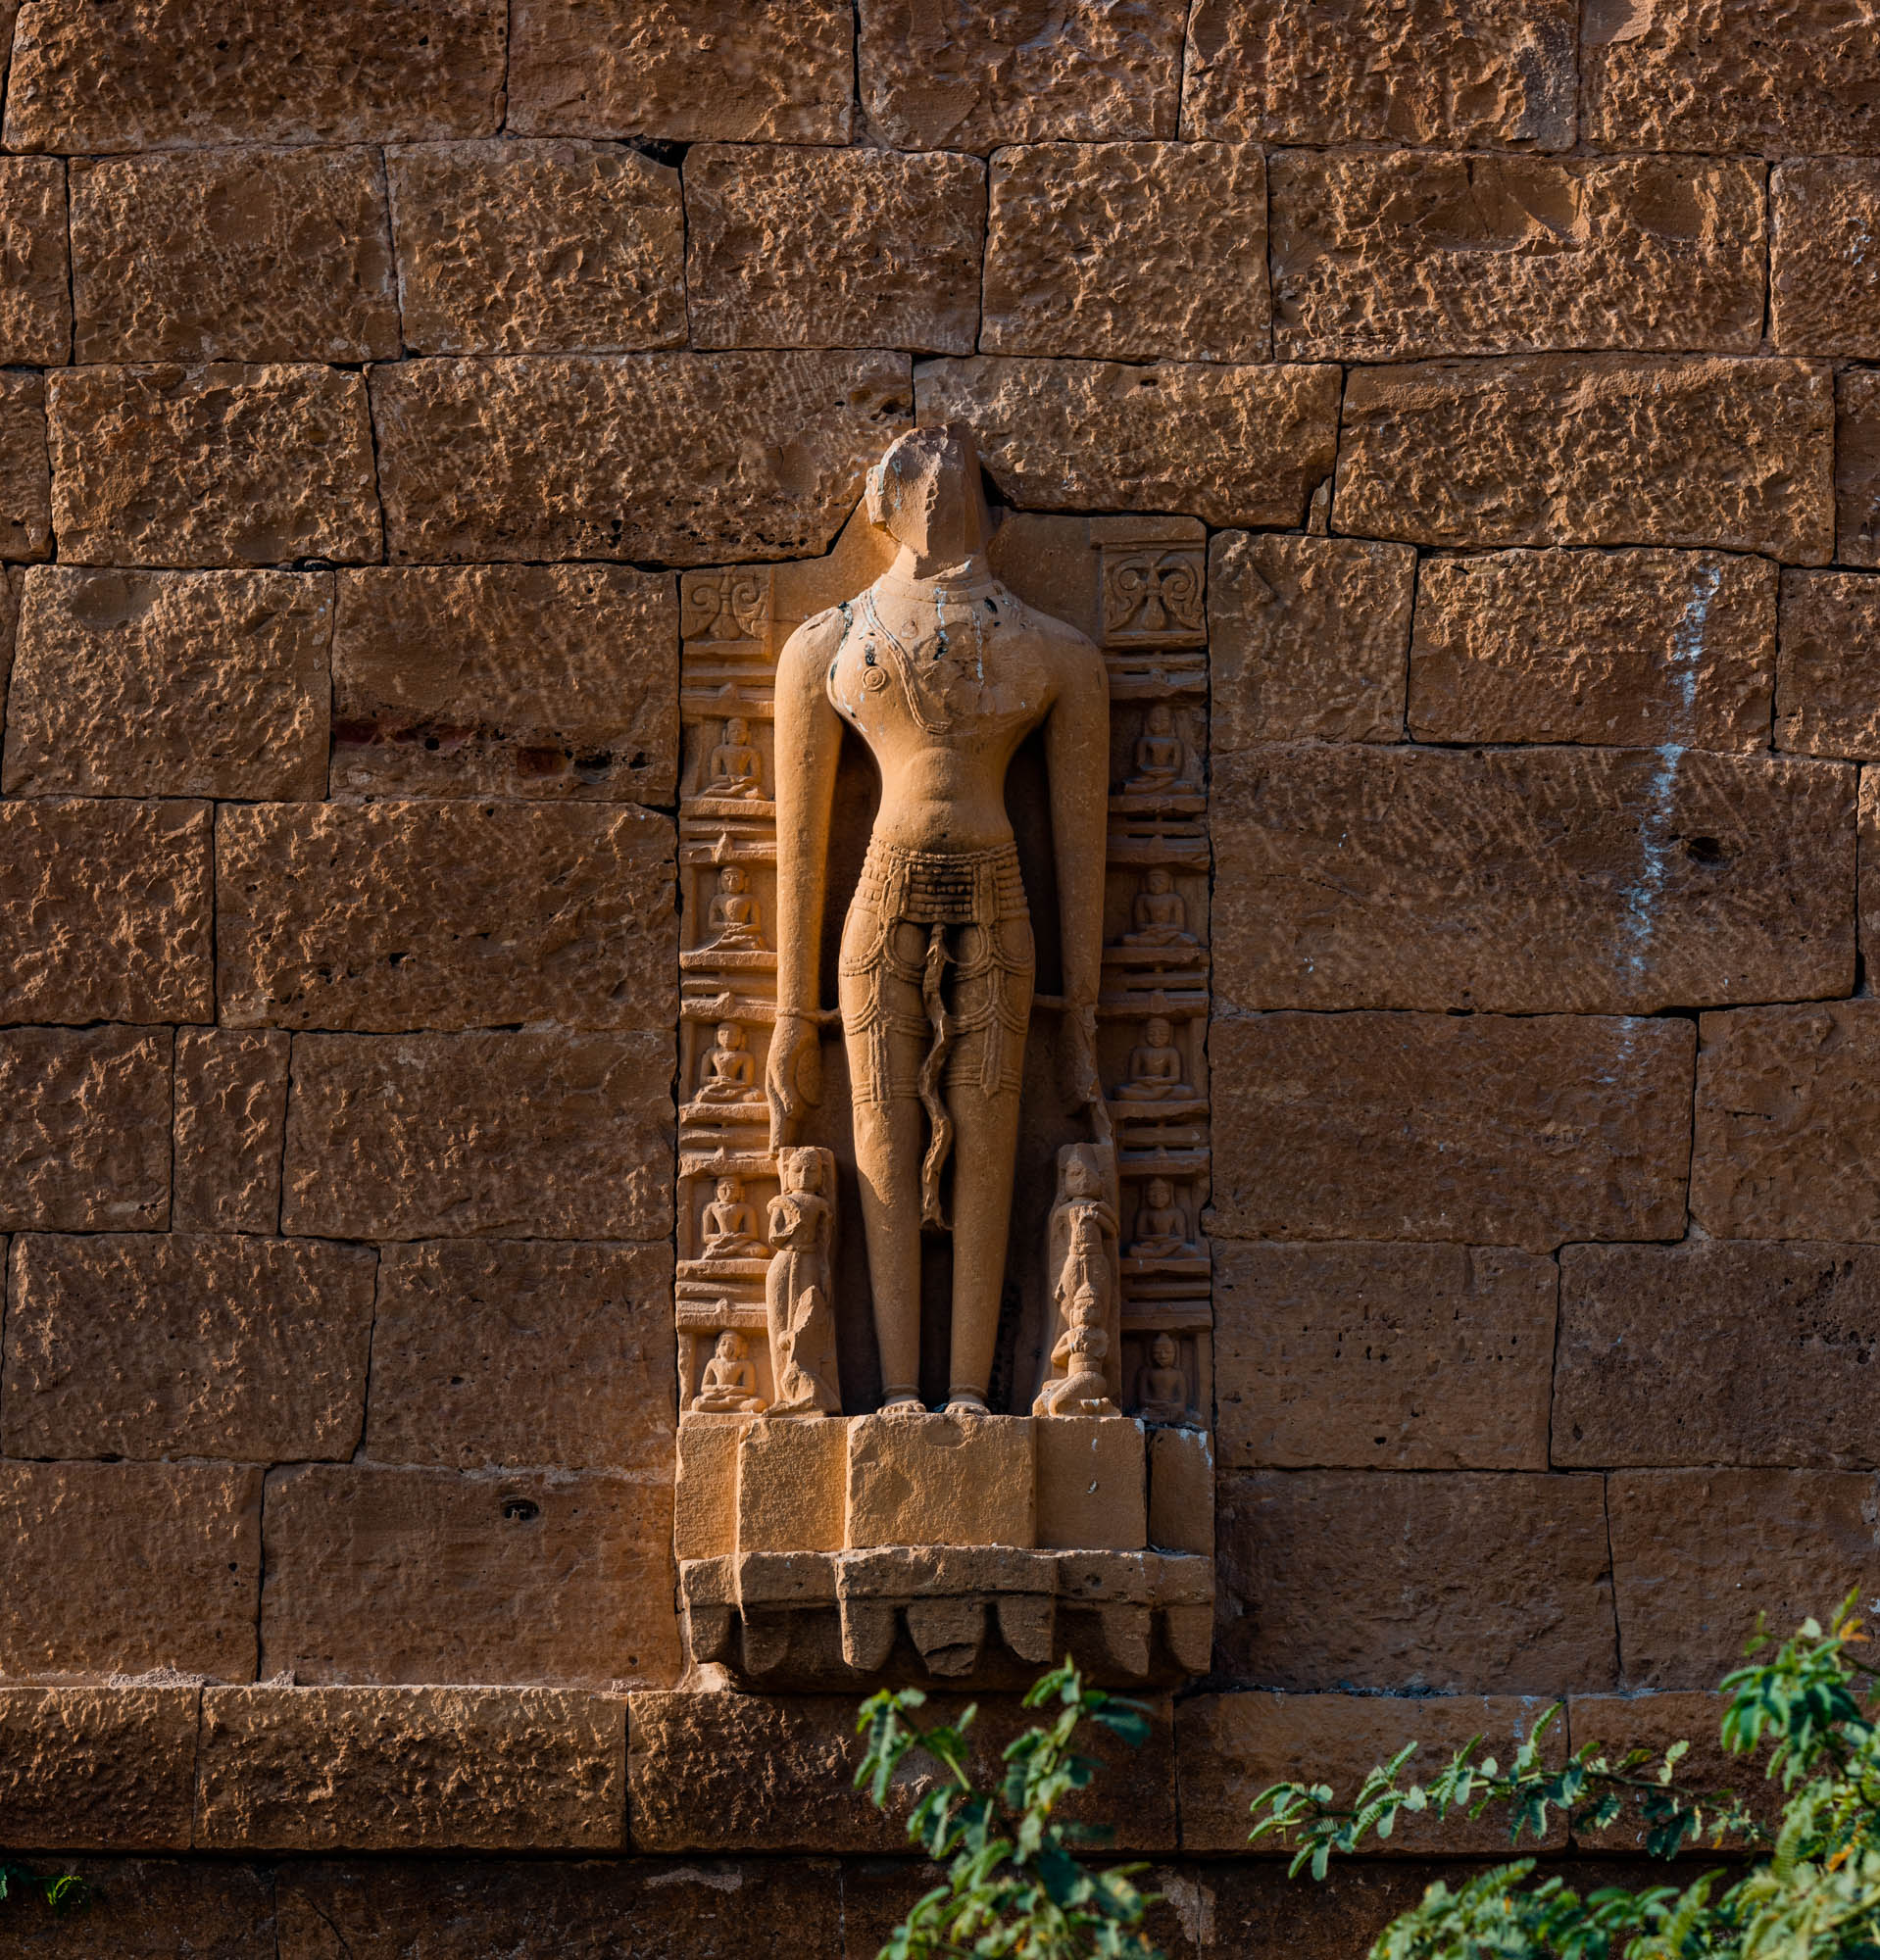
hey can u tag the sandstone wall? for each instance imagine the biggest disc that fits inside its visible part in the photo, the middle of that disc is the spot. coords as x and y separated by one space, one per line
368 374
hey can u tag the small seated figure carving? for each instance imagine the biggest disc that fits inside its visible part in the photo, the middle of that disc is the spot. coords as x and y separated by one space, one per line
730 1384
1162 1225
1162 1387
736 766
1159 916
734 920
730 1225
730 1075
1081 1353
1160 757
1155 1067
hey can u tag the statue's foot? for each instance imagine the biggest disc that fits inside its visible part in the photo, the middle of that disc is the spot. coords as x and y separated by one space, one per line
902 1406
967 1404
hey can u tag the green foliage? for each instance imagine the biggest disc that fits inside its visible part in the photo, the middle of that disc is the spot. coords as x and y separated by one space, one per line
1807 1891
62 1893
1013 1885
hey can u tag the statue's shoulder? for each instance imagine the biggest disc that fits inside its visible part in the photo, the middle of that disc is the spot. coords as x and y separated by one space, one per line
813 643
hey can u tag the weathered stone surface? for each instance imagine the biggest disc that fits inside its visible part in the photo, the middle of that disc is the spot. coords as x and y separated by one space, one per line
1824 297
154 1909
1449 1581
551 246
177 1344
1682 76
233 255
84 1129
127 1567
1306 638
1786 1102
1093 1489
1856 467
1529 880
1392 1358
25 479
545 1136
1394 257
1229 1747
106 911
1827 685
942 1479
219 465
445 914
494 1351
520 1575
801 247
35 296
771 1773
1234 445
705 1487
97 1769
1466 73
1787 1334
1632 646
791 1480
1697 1554
956 77
164 683
185 74
1618 1723
232 1108
527 680
685 71
411 1769
1128 252
686 458
1482 1129
1590 448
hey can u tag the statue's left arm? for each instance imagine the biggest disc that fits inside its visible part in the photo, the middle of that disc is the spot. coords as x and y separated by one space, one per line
1077 761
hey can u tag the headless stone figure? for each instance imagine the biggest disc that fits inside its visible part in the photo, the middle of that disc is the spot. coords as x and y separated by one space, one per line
730 1224
729 1385
1162 1225
1162 1387
1155 1067
730 1075
1159 916
942 672
736 768
734 919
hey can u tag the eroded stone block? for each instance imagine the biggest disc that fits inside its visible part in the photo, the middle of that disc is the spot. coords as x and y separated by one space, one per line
792 1484
231 1107
1856 467
1823 294
35 305
704 1489
1828 668
98 1769
1181 1490
26 480
961 1480
1091 1476
84 1129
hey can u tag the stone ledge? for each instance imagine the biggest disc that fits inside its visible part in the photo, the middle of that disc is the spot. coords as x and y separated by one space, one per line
97 1769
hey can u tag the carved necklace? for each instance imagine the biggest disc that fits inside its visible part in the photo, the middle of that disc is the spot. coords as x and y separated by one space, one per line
931 715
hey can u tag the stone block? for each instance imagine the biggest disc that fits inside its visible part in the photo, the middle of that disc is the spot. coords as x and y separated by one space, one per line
1827 676
1233 444
526 680
1786 1099
97 1769
1401 256
1181 1490
171 683
1128 252
1691 76
1618 1723
26 478
1529 880
942 1480
803 247
1697 1554
1483 1130
1856 467
1787 1334
530 1136
1590 448
1380 1357
956 76
123 1568
84 1129
1307 639
1635 648
1394 1583
233 255
557 438
792 1484
1450 73
211 466
386 1576
177 1344
685 71
1093 1491
231 1112
445 914
411 1769
107 911
169 75
705 1487
488 1351
1229 1747
517 247
35 307
1823 294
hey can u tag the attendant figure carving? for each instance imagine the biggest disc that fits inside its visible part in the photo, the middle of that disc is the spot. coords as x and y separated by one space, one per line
1158 915
1160 757
734 919
1081 1249
730 1384
1155 1067
736 766
798 1292
729 1075
731 1223
1162 1387
1162 1225
1079 1386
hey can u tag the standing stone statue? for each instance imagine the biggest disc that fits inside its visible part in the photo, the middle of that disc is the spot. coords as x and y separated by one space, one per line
798 1295
942 672
1081 1252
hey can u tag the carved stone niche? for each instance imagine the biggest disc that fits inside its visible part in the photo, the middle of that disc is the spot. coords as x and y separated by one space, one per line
943 1295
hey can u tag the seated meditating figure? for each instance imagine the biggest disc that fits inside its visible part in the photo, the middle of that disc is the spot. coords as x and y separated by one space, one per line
1158 755
734 918
1162 1387
730 1224
1155 1067
736 766
730 1075
1159 916
1162 1225
730 1384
